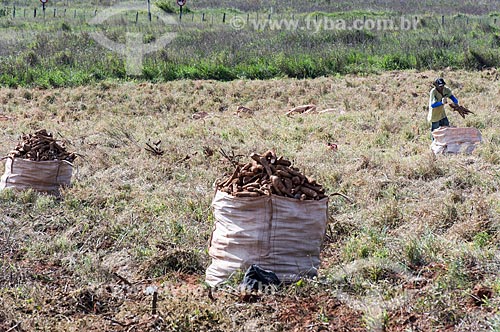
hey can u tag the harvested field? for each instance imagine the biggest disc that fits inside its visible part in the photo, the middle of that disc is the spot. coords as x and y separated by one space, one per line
413 245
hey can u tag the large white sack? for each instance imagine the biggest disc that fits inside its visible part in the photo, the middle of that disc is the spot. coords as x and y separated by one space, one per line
43 176
455 140
277 233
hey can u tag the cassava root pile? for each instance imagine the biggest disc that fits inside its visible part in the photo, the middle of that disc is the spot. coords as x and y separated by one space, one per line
267 174
461 110
41 146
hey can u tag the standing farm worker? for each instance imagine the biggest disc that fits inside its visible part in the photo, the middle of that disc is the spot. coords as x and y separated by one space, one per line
438 98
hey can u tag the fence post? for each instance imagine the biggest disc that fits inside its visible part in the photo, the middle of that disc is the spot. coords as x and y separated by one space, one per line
442 19
34 13
14 12
136 17
203 17
55 10
149 11
224 18
64 12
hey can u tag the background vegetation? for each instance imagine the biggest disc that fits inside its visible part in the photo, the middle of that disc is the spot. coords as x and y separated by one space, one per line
47 52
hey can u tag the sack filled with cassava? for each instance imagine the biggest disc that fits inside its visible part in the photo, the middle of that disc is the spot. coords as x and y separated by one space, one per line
40 163
455 140
267 213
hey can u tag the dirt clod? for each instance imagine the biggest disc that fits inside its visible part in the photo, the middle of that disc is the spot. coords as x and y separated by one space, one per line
480 294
